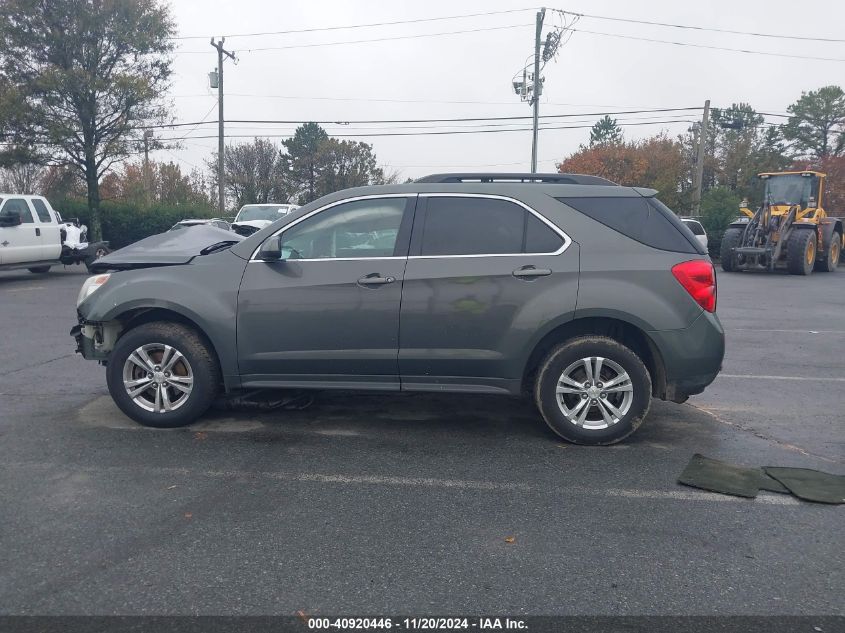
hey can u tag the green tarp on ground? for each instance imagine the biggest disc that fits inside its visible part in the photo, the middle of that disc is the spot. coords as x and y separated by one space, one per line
742 481
716 476
810 485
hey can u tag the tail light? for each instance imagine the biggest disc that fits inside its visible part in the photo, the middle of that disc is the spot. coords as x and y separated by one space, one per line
698 277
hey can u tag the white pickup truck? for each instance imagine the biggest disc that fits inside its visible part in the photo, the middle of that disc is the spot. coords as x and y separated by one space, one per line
33 236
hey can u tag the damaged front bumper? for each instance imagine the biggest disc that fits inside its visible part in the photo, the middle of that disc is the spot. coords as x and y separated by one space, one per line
95 341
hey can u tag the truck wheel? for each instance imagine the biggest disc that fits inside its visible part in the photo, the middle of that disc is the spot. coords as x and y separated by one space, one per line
829 264
801 252
593 390
162 375
39 270
730 239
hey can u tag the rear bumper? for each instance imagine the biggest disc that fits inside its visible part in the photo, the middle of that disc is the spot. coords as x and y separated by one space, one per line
692 357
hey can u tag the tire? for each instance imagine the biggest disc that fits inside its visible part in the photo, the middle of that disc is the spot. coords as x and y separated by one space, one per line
599 425
801 252
834 251
40 270
731 239
197 369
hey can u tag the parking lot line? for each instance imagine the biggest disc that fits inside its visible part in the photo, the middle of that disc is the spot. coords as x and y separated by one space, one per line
430 482
804 378
754 329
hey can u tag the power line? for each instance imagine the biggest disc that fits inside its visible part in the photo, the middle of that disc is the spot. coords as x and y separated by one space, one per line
447 132
703 28
444 120
464 119
203 119
715 48
422 101
368 41
425 126
357 26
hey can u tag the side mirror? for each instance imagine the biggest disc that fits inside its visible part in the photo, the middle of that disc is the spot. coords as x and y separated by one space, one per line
10 218
271 249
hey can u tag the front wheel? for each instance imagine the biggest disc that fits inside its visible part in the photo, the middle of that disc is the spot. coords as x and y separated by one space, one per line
730 240
593 390
162 375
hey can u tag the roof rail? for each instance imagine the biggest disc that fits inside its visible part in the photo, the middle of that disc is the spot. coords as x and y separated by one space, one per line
554 178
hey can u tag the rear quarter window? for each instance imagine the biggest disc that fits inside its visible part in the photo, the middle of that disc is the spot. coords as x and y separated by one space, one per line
646 220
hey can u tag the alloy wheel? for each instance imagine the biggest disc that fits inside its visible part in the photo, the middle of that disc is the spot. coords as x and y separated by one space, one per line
158 377
594 393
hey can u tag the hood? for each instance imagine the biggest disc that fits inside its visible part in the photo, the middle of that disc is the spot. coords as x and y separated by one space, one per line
168 249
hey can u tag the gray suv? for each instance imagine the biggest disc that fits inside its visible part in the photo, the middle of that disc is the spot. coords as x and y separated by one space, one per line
589 297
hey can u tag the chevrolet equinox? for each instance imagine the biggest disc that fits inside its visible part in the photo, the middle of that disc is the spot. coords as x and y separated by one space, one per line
588 297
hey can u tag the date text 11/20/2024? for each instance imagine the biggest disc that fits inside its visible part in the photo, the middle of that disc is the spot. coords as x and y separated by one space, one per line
430 623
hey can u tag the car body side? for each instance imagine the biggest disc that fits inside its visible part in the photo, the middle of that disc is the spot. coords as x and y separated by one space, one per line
603 282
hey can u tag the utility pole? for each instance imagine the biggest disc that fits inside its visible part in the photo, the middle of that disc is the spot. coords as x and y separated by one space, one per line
148 134
698 177
538 87
221 182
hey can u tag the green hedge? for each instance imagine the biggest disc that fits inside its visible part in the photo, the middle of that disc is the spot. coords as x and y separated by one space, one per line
126 223
719 207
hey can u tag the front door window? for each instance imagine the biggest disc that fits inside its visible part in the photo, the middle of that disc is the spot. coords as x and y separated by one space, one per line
358 229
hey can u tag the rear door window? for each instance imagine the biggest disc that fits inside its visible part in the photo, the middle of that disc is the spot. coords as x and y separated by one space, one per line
42 210
646 220
539 236
456 225
472 226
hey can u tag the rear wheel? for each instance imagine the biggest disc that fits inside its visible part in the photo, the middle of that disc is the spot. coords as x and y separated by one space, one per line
39 270
801 251
162 375
730 240
829 264
593 390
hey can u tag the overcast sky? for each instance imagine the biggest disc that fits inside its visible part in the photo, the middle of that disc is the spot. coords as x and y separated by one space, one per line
469 74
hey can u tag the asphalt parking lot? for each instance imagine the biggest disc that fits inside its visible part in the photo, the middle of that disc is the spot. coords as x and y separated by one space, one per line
420 504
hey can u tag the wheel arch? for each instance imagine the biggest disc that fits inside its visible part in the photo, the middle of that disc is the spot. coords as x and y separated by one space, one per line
619 329
136 316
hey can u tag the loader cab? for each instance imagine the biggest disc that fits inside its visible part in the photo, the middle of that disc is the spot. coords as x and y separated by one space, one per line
787 189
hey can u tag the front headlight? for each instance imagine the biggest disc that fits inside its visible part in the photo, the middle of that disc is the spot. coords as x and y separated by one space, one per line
91 285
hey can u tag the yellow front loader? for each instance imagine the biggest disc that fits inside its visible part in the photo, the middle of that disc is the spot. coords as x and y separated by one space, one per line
790 228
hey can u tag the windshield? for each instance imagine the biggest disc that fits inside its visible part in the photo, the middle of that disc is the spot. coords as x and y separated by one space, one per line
791 189
262 212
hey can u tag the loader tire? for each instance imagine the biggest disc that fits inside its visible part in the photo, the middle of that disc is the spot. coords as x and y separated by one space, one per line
801 252
831 260
730 240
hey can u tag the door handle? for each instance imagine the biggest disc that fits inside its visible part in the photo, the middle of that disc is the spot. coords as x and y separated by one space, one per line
38 232
375 280
530 272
